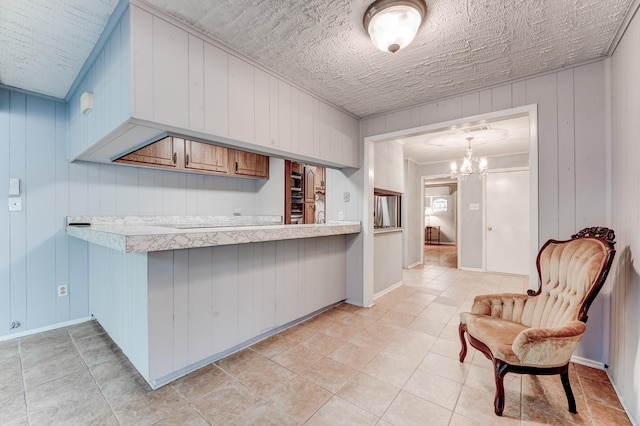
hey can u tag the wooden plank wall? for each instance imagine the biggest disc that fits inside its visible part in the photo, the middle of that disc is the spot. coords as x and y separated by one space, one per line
109 79
623 286
571 150
205 301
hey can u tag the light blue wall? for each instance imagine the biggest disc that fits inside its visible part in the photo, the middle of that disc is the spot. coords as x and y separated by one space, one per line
109 79
36 255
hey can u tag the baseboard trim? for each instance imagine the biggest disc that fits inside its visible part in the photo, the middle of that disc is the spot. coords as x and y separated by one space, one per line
413 265
464 268
587 362
45 328
387 290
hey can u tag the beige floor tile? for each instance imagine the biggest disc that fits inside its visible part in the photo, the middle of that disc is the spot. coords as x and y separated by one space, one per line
374 311
272 346
354 356
85 329
48 340
440 317
262 414
408 409
433 388
185 416
225 404
72 399
458 420
200 382
347 307
446 367
359 320
44 364
266 378
299 399
298 358
97 349
389 370
329 374
369 393
427 326
398 318
448 348
151 407
338 412
241 362
322 343
12 403
478 406
298 333
605 414
319 322
342 331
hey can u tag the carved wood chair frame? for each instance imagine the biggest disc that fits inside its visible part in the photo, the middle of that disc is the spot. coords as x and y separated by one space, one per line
501 368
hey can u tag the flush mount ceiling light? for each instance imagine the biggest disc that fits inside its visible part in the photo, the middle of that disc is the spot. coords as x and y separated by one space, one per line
393 24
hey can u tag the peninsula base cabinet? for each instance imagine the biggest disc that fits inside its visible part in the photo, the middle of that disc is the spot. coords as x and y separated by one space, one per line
174 311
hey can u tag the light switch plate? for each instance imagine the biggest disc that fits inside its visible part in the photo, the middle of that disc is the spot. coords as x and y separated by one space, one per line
15 204
14 186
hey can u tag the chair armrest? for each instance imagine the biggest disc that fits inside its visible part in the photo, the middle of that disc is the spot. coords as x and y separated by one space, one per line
548 347
508 306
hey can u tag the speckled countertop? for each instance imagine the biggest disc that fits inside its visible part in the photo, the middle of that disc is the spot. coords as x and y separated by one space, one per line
139 234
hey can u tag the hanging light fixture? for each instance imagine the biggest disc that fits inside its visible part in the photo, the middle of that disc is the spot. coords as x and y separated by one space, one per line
470 165
393 24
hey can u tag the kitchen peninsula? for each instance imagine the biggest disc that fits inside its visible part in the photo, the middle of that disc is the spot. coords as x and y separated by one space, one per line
176 293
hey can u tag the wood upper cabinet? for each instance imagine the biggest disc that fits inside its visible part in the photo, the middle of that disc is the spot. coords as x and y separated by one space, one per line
161 153
249 164
207 157
187 155
309 184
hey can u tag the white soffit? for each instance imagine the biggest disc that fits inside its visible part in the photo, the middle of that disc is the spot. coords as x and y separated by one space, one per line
44 43
463 44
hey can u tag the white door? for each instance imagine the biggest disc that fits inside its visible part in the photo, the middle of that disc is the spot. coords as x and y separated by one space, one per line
507 214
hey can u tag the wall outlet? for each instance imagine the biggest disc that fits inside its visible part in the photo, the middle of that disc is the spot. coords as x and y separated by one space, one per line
340 215
474 206
237 211
62 290
14 324
15 204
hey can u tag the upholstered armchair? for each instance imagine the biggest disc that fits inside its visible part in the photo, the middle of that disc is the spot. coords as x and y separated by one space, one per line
536 333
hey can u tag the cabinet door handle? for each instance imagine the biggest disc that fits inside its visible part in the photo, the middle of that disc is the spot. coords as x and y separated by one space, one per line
187 159
236 166
175 158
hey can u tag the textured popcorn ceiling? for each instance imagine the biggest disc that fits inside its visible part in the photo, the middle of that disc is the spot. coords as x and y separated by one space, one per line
321 44
463 44
44 43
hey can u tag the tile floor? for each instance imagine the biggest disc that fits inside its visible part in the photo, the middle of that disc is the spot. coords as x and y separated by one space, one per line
393 364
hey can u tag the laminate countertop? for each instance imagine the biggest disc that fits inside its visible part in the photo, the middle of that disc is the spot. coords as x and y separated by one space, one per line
141 234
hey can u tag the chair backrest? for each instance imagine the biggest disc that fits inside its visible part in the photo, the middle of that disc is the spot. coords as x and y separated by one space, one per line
571 274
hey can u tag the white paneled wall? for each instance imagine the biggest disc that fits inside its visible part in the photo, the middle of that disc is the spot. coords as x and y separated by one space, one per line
623 287
571 150
412 214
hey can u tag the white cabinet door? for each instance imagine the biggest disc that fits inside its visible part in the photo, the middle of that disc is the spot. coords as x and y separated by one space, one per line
170 74
196 83
142 36
305 124
261 107
241 100
284 115
274 120
216 99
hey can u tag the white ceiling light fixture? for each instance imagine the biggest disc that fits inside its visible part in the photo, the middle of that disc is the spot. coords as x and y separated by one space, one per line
393 24
470 165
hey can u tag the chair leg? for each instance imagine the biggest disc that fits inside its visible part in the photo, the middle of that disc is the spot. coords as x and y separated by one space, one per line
499 370
564 377
463 351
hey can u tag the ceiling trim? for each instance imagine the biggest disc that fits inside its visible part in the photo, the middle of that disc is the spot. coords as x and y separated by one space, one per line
633 9
462 154
30 93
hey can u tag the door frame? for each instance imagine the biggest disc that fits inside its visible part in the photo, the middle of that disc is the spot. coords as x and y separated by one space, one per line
368 168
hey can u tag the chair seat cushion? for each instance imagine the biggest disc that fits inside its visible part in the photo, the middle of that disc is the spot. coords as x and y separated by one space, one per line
496 333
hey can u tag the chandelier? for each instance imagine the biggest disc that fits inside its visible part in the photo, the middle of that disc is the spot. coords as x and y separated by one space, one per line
470 165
